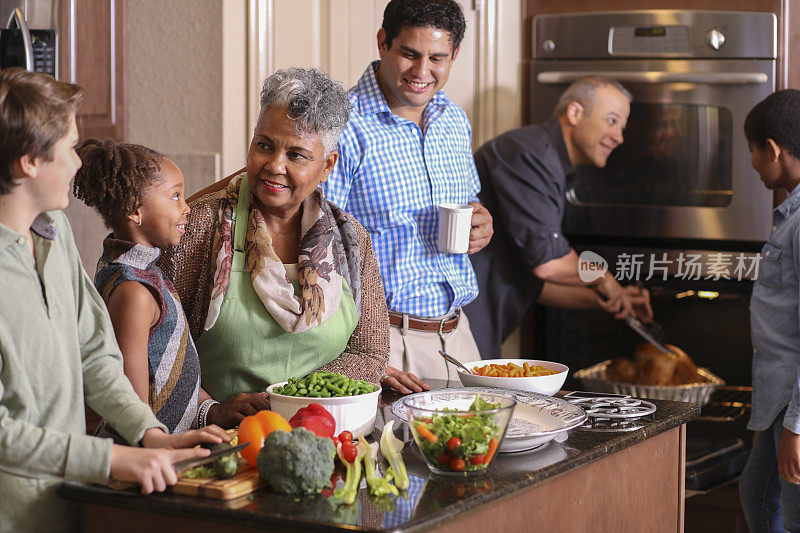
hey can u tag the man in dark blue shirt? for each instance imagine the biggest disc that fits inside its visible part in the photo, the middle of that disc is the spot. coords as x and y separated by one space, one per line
523 180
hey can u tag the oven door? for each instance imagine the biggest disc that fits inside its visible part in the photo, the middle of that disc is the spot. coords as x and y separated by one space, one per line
684 170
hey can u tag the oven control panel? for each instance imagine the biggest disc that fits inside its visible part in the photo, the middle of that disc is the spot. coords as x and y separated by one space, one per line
656 33
631 40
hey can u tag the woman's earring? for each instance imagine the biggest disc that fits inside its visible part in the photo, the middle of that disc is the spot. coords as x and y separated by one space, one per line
139 222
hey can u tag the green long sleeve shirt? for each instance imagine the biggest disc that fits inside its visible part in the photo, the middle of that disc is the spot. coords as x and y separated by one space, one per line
57 349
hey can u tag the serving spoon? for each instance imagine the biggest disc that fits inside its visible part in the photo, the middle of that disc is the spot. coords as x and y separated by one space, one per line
450 359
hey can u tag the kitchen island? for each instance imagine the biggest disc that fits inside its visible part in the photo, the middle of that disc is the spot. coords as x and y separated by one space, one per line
594 480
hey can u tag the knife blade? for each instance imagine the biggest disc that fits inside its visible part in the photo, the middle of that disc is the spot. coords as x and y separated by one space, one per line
186 464
636 325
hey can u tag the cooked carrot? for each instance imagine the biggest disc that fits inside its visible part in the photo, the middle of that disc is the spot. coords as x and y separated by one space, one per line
426 434
512 370
492 449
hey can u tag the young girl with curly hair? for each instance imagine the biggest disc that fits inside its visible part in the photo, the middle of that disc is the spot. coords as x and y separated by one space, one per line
140 195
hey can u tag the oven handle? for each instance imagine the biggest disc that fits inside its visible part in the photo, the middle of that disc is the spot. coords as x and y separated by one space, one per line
708 78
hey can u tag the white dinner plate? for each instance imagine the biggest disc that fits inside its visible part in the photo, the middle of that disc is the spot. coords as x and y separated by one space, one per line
537 418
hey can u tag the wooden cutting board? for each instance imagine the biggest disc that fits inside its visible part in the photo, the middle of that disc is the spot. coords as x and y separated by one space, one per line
244 482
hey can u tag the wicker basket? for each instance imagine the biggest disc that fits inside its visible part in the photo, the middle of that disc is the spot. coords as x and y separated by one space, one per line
594 379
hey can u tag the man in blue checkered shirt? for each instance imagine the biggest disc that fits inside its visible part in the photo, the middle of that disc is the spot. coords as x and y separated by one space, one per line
406 150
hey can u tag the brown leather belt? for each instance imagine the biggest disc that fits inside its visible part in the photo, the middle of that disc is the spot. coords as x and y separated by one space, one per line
419 323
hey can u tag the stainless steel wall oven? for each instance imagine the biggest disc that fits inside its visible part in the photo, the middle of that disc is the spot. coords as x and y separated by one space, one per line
684 169
681 185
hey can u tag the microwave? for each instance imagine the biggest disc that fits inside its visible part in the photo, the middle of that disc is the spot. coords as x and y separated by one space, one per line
31 49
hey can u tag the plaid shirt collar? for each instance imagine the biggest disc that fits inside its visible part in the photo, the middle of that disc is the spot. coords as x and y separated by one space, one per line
371 100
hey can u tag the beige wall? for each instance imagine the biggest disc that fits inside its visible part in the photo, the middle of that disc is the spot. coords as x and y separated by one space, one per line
174 65
185 91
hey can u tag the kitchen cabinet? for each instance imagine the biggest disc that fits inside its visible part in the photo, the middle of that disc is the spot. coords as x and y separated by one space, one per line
592 481
92 48
92 52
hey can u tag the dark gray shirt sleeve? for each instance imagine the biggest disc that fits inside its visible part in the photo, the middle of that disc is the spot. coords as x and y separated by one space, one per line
524 176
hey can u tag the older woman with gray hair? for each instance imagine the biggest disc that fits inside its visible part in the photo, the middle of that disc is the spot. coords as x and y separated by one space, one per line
277 282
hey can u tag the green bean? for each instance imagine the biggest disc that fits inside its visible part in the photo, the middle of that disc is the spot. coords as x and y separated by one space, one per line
334 389
325 384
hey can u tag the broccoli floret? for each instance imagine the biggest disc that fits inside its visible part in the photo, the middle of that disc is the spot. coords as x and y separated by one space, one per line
296 463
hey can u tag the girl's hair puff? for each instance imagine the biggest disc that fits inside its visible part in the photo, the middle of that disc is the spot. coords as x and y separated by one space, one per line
114 177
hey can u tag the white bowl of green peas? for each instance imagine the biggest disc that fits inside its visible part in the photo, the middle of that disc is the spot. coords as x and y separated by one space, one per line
352 403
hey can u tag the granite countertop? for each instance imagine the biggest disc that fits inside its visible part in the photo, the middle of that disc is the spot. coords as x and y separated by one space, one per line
431 500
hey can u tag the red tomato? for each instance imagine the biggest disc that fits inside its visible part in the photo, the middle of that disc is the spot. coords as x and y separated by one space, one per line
457 464
426 420
477 459
443 459
453 443
345 436
349 452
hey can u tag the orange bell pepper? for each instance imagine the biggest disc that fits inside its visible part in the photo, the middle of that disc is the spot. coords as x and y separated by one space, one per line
254 429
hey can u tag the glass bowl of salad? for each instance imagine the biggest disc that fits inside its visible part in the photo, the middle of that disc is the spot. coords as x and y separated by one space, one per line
458 432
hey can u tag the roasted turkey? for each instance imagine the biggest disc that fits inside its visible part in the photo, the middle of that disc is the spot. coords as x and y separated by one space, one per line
654 367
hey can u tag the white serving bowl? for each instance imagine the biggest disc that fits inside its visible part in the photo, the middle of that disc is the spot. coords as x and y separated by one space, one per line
548 385
355 414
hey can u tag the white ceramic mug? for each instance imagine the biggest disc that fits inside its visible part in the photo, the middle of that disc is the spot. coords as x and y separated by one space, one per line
455 222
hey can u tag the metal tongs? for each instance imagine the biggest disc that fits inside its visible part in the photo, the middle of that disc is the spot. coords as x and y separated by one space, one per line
651 332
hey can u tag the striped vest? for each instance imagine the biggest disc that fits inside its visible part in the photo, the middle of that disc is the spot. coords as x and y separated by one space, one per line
174 367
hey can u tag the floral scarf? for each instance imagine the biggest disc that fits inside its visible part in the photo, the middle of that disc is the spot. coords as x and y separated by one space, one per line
329 252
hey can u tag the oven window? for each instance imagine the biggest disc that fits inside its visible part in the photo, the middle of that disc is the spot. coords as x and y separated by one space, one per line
673 155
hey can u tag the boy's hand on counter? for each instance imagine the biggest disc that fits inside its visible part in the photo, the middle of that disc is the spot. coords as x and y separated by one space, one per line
150 468
155 438
789 457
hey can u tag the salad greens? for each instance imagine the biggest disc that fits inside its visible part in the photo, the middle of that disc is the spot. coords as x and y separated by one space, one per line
457 441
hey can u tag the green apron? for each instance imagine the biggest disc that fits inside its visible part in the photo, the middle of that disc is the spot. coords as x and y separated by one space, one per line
246 350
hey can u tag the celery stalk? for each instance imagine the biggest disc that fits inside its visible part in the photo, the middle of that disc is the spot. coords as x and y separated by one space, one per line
352 475
378 486
391 448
